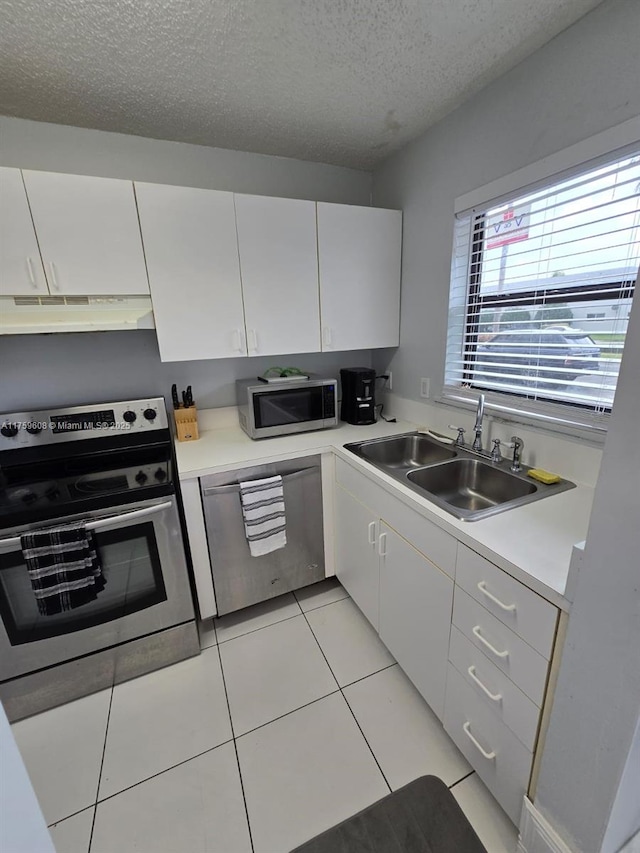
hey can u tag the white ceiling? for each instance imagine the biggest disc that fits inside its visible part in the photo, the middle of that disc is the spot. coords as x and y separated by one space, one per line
337 81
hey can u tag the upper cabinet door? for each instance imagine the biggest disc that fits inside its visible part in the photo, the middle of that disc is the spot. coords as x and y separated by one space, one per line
88 233
279 268
359 254
191 248
21 270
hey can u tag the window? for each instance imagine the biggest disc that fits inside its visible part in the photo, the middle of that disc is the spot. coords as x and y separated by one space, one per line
541 288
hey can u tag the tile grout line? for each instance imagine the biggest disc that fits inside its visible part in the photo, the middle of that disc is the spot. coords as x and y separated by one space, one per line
470 773
159 773
386 781
288 713
219 642
254 630
104 752
235 749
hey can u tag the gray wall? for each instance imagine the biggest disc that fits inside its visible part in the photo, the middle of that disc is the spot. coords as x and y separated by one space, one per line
93 367
597 700
57 148
584 81
41 370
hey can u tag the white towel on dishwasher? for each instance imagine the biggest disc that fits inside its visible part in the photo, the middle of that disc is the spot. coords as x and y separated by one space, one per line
264 516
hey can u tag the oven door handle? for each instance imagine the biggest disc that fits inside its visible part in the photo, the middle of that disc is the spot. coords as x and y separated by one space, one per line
99 523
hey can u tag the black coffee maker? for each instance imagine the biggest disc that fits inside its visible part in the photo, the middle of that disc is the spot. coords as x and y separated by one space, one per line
358 395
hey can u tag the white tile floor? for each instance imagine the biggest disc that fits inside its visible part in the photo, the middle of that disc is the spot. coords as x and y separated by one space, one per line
293 718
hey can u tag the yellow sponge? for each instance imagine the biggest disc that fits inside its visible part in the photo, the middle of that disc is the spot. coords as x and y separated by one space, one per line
543 476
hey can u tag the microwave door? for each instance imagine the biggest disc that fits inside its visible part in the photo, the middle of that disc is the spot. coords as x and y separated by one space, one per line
278 408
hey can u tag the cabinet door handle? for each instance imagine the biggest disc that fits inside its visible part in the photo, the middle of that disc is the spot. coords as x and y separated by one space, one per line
482 586
382 541
32 277
476 633
371 533
326 336
236 340
466 728
54 278
495 697
254 338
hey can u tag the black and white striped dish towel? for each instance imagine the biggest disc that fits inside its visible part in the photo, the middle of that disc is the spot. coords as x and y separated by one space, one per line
63 566
263 513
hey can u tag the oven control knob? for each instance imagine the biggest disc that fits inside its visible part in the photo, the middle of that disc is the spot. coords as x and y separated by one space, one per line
34 429
53 493
129 416
150 414
161 474
9 430
29 497
141 477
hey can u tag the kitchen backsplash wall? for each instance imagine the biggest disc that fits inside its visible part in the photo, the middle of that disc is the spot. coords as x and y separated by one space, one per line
67 369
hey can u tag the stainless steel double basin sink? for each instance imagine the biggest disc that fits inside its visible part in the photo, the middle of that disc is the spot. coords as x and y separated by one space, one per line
458 480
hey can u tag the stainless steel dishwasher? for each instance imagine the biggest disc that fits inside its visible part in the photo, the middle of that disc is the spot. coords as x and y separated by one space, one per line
240 579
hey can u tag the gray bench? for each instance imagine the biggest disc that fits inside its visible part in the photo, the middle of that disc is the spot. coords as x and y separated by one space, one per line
422 817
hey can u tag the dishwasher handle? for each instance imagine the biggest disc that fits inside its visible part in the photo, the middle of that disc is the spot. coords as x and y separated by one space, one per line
235 487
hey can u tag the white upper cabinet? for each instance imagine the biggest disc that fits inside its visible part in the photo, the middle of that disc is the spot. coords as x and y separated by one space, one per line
359 255
21 272
192 256
88 233
279 268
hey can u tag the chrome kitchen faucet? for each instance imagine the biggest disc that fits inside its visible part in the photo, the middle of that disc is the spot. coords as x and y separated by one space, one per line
477 441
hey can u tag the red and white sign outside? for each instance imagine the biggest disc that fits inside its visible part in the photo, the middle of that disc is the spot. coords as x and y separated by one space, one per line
509 226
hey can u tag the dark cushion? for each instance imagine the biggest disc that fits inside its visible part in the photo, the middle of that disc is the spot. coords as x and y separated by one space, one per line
422 817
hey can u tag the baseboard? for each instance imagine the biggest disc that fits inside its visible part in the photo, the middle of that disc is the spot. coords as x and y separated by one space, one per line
536 833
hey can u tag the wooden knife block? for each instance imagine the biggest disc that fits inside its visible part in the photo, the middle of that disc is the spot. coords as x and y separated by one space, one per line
186 423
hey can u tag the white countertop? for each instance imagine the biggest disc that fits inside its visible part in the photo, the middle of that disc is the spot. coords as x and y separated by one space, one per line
533 543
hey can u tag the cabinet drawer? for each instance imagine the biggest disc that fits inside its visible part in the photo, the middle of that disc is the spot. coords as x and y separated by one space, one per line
524 611
505 765
524 665
426 537
494 689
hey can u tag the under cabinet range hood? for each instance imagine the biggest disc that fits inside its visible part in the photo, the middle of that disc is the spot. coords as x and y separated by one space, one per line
28 315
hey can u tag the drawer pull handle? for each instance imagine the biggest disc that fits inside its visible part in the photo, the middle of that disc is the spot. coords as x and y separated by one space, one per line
483 589
476 633
371 534
495 697
466 728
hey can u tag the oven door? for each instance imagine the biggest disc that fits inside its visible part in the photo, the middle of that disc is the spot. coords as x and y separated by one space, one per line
147 589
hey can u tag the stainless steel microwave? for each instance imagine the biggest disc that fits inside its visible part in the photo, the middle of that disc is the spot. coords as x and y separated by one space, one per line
267 409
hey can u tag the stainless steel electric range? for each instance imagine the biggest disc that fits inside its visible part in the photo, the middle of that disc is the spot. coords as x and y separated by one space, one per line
112 466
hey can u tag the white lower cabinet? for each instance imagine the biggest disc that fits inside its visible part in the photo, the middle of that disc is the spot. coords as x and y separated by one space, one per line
356 554
415 614
476 643
495 689
501 761
502 640
404 595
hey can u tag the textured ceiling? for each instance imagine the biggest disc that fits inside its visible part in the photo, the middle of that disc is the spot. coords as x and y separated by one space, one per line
337 81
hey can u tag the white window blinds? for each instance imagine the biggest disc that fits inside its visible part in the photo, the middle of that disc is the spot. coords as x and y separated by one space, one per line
541 290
